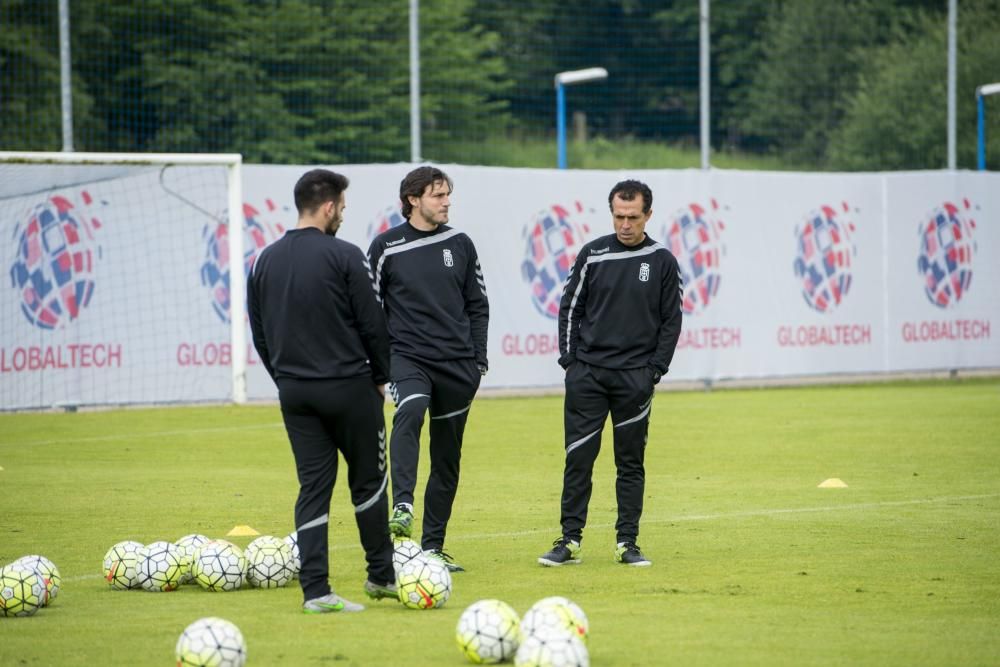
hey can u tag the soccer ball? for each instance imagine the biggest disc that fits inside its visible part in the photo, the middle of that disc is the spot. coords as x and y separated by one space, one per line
211 642
423 584
404 550
268 562
47 570
292 540
219 566
552 647
265 540
120 565
158 566
557 611
188 545
488 632
22 591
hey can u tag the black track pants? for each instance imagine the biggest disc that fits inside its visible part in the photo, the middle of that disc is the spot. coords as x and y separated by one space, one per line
591 393
322 417
447 388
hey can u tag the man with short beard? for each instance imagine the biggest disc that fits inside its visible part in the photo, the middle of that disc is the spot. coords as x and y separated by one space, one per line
321 336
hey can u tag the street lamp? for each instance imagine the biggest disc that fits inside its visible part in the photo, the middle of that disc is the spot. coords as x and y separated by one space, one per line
981 93
568 79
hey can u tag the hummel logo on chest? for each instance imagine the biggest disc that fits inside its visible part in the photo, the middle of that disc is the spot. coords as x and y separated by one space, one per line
601 251
389 244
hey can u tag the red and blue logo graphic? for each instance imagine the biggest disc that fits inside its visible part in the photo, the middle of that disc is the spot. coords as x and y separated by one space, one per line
947 248
823 258
389 217
56 261
694 236
553 240
259 230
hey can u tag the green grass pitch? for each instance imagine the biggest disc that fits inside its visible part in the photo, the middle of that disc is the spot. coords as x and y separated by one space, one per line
753 564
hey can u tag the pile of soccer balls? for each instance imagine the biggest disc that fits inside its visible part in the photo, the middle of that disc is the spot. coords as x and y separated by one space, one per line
424 583
553 633
27 585
215 565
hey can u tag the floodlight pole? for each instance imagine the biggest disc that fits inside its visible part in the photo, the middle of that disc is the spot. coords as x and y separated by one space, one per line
415 143
65 77
704 59
562 80
981 93
952 81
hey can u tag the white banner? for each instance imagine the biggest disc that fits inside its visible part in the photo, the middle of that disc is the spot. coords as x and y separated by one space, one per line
118 288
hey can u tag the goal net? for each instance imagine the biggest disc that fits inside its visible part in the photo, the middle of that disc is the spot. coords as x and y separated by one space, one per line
119 288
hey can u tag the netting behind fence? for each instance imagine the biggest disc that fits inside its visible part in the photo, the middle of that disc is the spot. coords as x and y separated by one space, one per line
803 84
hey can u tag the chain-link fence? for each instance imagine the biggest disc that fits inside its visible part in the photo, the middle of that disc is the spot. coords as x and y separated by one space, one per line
795 84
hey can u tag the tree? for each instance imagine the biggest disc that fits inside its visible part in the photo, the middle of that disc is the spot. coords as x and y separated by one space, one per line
813 53
30 92
897 119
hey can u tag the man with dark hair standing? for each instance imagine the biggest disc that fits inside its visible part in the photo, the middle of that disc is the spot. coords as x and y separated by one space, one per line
428 278
619 321
322 337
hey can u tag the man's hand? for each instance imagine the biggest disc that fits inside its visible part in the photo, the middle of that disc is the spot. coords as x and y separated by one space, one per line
381 390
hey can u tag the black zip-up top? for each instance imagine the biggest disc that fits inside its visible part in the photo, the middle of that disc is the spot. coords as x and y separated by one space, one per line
432 289
621 307
313 313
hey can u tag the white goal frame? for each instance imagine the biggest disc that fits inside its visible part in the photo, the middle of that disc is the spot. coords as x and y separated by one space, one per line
234 186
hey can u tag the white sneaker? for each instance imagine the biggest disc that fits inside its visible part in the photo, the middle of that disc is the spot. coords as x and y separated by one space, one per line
329 603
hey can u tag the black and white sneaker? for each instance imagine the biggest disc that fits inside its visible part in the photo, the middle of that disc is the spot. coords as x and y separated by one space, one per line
628 553
563 552
444 558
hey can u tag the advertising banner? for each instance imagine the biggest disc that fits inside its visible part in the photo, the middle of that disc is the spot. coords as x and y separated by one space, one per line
118 287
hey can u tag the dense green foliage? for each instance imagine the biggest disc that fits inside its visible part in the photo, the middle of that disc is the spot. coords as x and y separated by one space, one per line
752 563
857 85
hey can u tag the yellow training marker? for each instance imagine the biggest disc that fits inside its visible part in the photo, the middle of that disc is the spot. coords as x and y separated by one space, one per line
832 483
241 531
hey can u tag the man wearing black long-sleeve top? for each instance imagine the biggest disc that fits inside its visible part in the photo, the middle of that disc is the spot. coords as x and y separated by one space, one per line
428 278
321 335
619 322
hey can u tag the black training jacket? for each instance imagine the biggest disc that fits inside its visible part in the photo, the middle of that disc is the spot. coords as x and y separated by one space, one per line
432 289
621 307
313 313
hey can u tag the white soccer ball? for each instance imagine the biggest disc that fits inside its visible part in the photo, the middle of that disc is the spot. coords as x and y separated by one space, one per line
158 567
404 550
264 540
557 611
211 642
423 584
219 566
47 570
552 647
120 565
22 591
188 545
292 540
269 562
488 632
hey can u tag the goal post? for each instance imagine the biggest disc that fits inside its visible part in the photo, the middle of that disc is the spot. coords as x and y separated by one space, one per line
69 169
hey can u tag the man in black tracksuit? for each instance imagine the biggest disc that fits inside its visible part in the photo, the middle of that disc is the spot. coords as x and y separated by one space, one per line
428 278
321 335
619 321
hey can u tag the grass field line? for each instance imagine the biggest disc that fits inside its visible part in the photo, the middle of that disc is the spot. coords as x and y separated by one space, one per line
678 519
152 434
740 514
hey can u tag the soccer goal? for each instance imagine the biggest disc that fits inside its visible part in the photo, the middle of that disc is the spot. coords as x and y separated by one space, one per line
120 285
